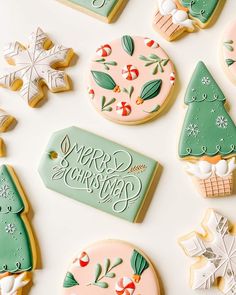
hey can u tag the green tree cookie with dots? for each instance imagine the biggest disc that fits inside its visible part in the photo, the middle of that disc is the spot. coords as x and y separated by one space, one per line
15 250
208 130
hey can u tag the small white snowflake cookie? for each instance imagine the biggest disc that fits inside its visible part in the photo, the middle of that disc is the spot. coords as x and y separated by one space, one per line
34 66
216 251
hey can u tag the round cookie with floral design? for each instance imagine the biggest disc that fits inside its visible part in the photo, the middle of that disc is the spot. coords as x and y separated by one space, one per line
130 80
111 267
229 51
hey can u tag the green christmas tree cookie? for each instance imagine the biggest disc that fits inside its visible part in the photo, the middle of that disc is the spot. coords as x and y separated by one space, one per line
208 136
201 10
16 256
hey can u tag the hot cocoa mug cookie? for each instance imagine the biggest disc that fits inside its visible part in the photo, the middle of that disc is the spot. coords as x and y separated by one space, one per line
174 17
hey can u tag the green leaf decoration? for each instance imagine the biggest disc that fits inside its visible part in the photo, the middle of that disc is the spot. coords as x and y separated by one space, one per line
106 273
117 262
142 57
111 63
153 59
103 80
228 45
98 271
70 281
128 44
110 275
156 109
105 63
139 264
154 56
149 90
103 285
107 264
103 101
105 105
129 92
229 62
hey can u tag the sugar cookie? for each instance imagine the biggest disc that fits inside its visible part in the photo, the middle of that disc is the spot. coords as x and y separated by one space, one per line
114 267
174 17
216 253
98 172
229 51
17 255
6 122
105 10
133 74
208 138
34 66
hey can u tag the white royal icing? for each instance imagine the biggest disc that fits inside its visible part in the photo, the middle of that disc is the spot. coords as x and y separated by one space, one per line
204 169
218 253
33 64
179 16
10 285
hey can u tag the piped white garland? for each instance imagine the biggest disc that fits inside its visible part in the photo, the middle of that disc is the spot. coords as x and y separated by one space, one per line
204 169
179 17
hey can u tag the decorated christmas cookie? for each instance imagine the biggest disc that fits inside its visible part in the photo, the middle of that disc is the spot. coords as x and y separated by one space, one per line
6 122
131 79
34 66
175 17
111 267
97 172
216 253
229 51
17 257
105 10
208 138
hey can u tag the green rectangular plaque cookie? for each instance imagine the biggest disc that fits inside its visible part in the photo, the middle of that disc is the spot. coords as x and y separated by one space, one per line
105 10
97 172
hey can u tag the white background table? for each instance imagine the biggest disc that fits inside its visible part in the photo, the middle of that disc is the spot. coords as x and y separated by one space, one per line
62 225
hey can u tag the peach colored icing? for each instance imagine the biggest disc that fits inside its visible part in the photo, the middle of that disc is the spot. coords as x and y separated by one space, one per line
114 52
229 50
112 250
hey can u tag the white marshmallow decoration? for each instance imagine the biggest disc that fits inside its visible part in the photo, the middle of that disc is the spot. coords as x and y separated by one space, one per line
179 17
11 285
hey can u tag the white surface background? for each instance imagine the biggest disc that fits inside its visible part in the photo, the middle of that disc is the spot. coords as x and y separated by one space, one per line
63 226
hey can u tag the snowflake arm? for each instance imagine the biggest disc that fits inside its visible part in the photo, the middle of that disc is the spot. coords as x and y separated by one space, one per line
216 252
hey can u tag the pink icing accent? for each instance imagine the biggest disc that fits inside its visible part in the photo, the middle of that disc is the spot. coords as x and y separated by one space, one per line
139 112
111 249
230 34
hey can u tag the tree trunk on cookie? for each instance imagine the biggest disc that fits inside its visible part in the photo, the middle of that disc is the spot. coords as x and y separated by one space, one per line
208 138
171 19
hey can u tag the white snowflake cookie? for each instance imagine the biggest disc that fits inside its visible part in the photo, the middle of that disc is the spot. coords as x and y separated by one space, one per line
34 66
216 251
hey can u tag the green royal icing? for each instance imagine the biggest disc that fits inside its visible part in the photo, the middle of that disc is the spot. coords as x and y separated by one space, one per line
97 172
208 129
100 7
201 9
15 249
